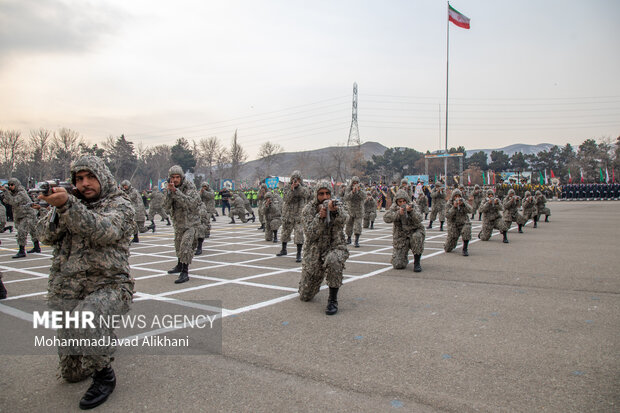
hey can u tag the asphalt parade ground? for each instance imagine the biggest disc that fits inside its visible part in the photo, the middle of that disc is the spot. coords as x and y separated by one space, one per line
529 326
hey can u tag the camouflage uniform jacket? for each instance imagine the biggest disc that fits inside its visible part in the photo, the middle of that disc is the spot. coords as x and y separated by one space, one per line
492 212
294 202
458 215
529 204
404 225
183 204
91 239
355 202
157 200
208 198
439 198
511 208
321 237
136 201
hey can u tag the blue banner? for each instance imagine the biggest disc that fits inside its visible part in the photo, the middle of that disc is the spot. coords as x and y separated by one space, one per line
414 179
272 182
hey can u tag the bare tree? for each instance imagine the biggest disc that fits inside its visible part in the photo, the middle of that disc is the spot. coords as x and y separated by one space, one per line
237 157
209 151
11 150
66 146
268 154
157 162
40 153
338 156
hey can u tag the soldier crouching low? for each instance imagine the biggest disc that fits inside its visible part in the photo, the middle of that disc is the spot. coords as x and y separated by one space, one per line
491 209
457 217
325 250
91 233
408 232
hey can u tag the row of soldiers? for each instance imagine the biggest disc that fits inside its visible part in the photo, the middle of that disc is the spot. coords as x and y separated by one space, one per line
591 191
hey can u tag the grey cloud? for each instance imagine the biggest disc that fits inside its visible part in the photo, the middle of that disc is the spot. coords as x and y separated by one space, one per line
55 26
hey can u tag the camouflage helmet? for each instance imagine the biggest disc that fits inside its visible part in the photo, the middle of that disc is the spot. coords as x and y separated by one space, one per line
476 186
324 184
297 175
126 183
404 181
527 193
14 181
490 192
538 193
205 185
268 195
355 179
98 168
511 191
176 170
402 194
455 193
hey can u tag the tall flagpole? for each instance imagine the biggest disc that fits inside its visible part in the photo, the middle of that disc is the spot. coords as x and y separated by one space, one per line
447 77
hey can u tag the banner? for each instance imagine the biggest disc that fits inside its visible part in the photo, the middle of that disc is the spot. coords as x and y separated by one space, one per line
414 179
272 183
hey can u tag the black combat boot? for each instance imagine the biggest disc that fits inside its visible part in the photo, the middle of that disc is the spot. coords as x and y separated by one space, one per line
348 240
21 253
34 249
298 257
253 219
212 217
473 215
103 385
199 246
232 220
416 263
177 268
135 238
162 220
168 222
184 275
357 241
275 236
425 216
520 228
505 234
546 218
10 228
480 216
535 221
2 291
151 227
262 226
332 301
372 224
441 226
465 245
430 225
282 251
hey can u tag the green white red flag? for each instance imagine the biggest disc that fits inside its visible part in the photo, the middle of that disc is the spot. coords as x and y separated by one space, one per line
457 18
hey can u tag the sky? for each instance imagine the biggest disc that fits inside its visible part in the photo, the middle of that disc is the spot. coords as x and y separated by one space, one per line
528 71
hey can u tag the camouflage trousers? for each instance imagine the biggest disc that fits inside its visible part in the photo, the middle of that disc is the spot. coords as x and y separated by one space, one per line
238 213
354 225
438 210
78 363
488 226
543 211
248 208
185 242
518 218
270 226
140 226
414 242
316 266
369 217
423 207
454 232
157 210
295 226
475 205
2 217
25 226
204 229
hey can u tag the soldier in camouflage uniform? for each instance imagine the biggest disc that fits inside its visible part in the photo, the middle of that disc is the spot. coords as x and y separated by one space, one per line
541 208
204 229
156 206
238 209
325 252
3 292
422 203
90 268
477 200
370 209
404 185
208 198
529 208
354 198
272 215
261 201
296 195
491 209
408 232
457 215
23 216
247 205
438 205
183 202
138 206
511 214
3 226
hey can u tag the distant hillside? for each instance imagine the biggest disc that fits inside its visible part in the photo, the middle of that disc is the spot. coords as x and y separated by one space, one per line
308 162
512 149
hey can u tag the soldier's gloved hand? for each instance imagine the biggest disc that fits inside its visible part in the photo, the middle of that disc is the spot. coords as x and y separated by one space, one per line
58 197
331 206
322 212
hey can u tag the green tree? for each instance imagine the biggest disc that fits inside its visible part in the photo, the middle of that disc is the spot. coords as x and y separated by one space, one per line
479 159
181 154
499 161
518 162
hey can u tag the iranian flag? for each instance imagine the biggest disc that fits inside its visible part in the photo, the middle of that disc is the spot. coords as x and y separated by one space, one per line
570 178
457 18
606 175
